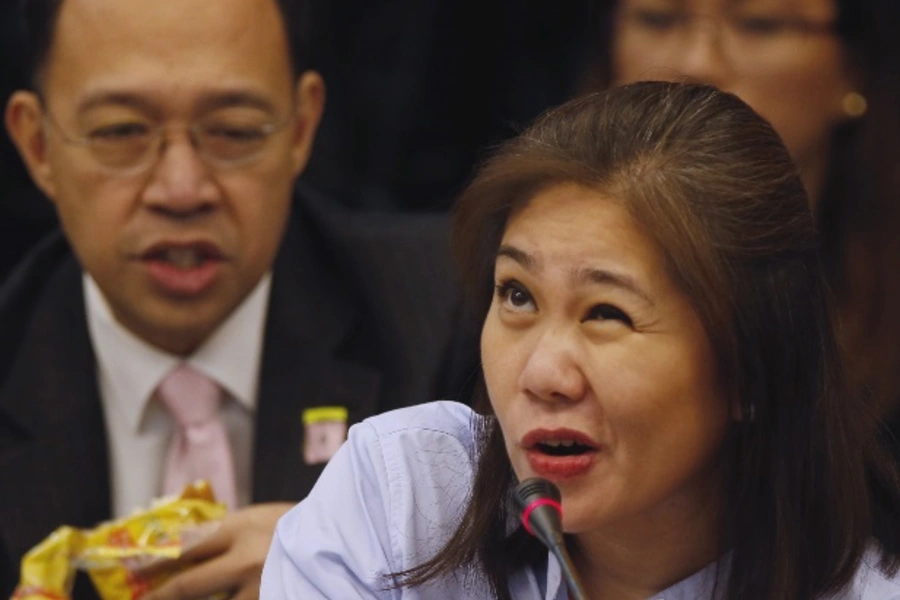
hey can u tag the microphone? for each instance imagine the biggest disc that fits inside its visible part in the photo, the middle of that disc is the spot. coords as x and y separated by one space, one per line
538 500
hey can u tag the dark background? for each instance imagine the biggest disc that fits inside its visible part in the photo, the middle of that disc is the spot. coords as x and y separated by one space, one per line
25 215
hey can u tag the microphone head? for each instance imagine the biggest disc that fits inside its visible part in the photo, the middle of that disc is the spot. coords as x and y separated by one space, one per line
538 501
533 489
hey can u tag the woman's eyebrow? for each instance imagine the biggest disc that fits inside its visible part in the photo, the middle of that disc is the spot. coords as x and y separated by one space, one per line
611 278
581 276
527 261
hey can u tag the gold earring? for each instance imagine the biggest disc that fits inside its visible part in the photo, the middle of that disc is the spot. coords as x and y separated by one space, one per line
854 104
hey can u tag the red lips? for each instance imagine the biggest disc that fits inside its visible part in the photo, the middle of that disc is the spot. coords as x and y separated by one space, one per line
558 454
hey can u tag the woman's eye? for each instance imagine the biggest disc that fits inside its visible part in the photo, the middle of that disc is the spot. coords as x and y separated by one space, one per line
758 25
514 295
608 312
659 20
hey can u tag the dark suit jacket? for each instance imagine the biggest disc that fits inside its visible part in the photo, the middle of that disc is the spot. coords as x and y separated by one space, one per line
360 315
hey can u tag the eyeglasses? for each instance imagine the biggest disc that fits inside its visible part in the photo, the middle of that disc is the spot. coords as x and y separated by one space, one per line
745 35
132 145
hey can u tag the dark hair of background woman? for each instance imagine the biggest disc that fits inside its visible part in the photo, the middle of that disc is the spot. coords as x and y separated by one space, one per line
710 181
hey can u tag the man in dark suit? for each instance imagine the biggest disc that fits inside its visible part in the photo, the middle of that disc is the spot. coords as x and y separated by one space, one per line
170 151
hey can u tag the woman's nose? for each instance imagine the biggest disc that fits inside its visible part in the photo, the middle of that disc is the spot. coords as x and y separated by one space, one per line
701 52
552 371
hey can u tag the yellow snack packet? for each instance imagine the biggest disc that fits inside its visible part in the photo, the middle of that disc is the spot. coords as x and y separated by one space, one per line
110 551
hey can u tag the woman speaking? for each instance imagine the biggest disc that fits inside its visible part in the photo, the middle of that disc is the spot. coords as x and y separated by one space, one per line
657 342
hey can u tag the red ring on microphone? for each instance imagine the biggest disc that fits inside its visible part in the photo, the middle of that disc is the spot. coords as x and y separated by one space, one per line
526 514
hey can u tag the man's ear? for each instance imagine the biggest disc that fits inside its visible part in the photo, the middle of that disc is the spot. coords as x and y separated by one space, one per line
310 103
24 120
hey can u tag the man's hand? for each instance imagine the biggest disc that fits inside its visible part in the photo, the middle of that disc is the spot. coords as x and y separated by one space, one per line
230 560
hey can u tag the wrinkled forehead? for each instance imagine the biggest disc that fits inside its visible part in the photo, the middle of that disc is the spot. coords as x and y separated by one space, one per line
168 47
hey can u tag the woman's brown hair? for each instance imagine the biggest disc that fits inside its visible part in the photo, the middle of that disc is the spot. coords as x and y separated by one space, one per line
711 182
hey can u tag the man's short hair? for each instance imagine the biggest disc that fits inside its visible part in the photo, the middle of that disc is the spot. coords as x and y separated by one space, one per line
40 18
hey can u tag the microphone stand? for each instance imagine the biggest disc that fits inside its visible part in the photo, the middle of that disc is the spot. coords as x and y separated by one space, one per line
539 503
576 588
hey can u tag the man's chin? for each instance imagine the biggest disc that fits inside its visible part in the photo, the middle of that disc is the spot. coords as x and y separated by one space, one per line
177 327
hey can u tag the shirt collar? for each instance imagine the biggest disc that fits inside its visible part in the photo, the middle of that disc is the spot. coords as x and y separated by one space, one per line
233 353
133 368
698 585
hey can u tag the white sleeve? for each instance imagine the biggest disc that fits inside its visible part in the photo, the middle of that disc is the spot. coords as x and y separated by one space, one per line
870 582
335 544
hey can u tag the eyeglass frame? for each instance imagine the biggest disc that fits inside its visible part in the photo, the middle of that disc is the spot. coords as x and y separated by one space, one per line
159 136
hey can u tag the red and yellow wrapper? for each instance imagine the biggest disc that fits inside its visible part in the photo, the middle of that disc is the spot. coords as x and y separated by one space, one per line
112 550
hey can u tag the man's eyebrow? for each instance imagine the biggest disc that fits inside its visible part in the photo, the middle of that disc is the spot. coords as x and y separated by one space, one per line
236 98
103 98
580 276
208 101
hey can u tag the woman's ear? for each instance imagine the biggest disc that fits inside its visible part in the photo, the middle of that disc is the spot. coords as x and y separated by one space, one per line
24 120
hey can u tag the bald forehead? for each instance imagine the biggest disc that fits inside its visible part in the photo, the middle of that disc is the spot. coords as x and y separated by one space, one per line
117 10
169 26
172 19
168 48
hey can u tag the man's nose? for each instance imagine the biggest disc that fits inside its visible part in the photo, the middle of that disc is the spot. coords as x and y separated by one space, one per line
553 370
181 183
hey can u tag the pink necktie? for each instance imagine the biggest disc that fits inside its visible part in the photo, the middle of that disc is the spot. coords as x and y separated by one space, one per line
200 448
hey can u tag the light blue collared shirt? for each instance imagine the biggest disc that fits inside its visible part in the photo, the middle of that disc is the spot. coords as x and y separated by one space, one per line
389 500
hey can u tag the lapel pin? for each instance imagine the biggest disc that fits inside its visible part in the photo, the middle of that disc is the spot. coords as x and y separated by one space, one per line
324 430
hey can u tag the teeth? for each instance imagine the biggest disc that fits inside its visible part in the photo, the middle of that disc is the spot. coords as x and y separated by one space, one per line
558 443
183 258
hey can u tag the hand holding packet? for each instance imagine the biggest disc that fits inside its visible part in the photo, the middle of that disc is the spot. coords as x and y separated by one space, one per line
112 551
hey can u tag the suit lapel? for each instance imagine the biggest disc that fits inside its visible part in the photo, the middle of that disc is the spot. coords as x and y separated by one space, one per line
53 457
307 361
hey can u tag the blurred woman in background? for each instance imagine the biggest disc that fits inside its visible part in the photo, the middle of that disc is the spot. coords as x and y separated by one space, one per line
826 74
